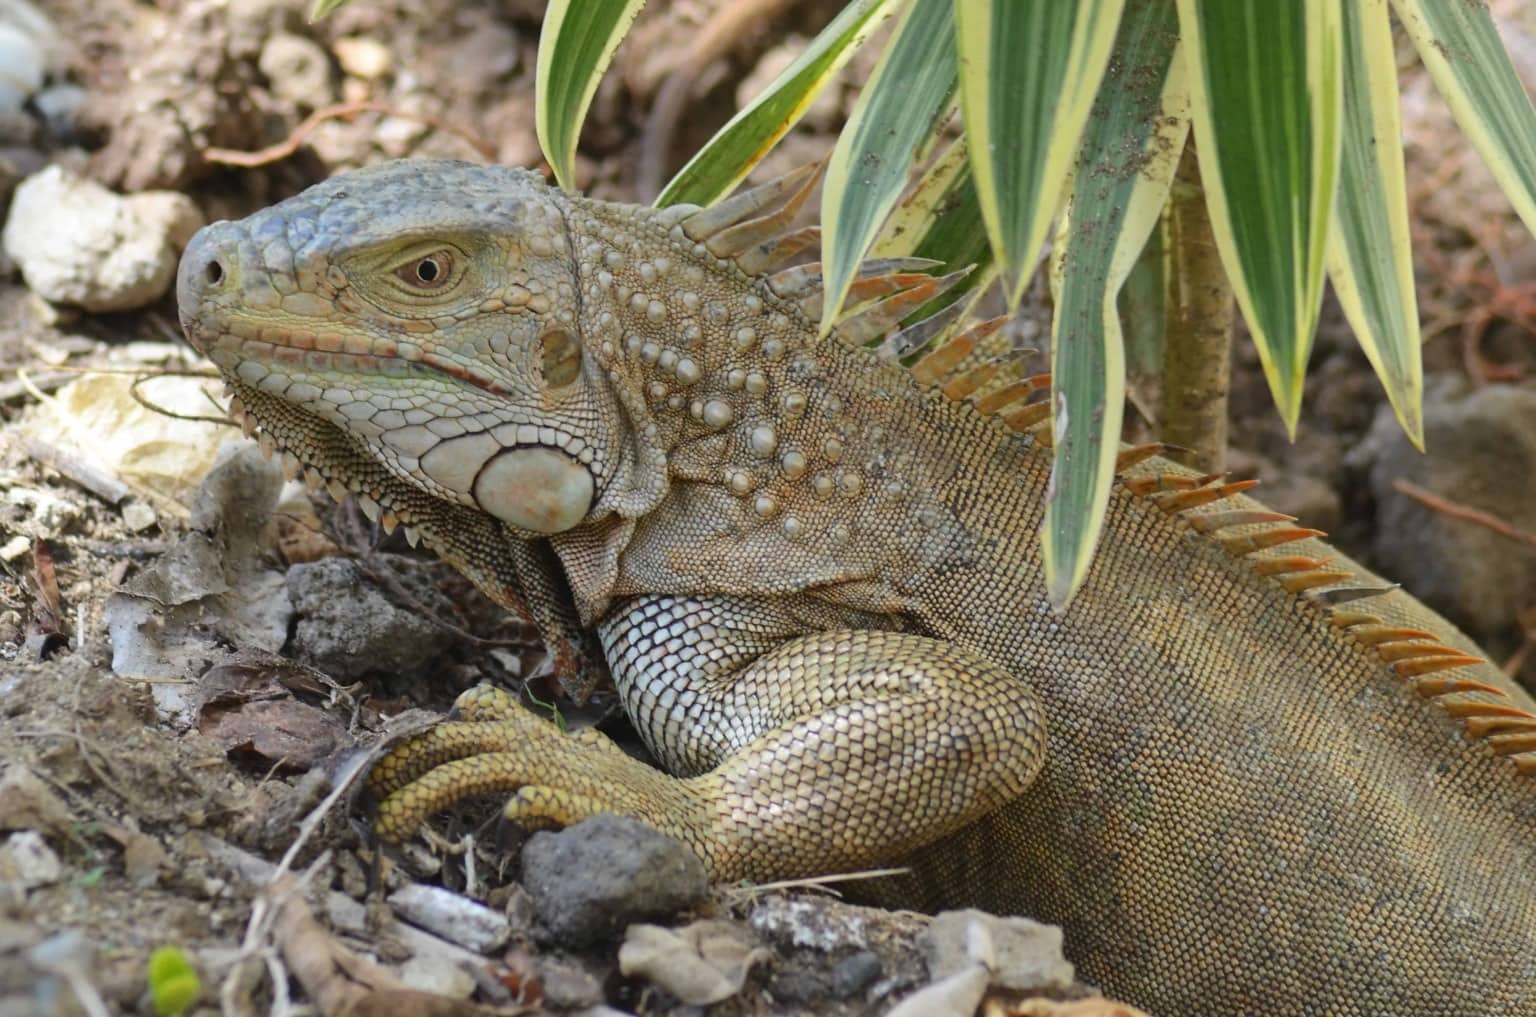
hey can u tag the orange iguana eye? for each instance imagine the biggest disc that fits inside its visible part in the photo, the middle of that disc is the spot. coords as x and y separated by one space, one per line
429 272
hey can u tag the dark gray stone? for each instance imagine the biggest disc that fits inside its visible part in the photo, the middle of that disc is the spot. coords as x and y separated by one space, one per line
592 880
348 628
1481 446
855 972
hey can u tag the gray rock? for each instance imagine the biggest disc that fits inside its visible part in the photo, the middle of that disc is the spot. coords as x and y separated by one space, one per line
78 243
60 106
1021 953
348 628
855 972
1481 454
298 69
592 880
825 925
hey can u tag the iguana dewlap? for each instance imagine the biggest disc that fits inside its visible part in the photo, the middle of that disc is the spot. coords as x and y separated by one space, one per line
1239 784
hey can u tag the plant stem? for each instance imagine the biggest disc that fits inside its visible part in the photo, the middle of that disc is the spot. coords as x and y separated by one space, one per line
1197 346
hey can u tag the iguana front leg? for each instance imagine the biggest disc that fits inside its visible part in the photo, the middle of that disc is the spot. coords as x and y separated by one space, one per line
809 753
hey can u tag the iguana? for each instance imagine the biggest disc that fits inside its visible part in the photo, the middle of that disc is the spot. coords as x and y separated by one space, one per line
1244 775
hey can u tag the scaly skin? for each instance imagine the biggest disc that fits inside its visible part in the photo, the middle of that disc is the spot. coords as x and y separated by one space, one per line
819 591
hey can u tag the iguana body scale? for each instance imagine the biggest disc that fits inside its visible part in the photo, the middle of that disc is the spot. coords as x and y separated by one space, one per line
1239 776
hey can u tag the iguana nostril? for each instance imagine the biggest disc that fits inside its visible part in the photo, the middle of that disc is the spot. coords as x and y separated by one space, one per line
213 272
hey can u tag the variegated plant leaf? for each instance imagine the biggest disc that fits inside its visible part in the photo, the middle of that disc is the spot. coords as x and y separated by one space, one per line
897 113
940 218
1029 70
738 146
1267 101
1457 41
1119 185
1370 258
575 46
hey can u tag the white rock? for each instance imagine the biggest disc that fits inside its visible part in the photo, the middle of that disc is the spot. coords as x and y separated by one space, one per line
27 861
363 57
21 68
138 515
78 243
457 919
430 974
30 48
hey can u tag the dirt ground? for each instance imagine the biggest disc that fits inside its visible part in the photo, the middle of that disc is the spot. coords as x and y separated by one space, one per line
189 666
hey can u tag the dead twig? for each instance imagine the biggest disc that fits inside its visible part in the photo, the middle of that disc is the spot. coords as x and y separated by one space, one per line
1516 661
143 400
1466 513
823 883
260 939
288 146
89 476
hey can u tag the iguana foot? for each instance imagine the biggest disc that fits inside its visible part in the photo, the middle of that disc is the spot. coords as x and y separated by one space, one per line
493 745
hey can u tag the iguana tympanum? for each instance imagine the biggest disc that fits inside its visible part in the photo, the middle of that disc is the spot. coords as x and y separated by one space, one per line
1243 778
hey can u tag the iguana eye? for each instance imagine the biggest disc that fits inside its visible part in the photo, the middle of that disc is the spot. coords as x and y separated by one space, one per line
429 272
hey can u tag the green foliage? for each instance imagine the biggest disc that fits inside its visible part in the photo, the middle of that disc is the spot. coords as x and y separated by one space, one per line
873 158
575 47
321 8
174 987
1113 205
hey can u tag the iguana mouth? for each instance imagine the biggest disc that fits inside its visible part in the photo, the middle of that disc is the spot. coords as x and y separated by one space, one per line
254 350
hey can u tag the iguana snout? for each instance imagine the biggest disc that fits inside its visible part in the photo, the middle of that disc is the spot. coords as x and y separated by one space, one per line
437 330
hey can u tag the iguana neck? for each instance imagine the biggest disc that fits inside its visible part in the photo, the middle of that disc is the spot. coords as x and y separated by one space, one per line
769 434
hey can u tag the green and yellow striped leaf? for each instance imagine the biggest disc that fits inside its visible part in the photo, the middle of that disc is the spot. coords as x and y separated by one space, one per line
1029 70
1267 100
738 146
321 8
1457 41
1119 185
1370 258
898 112
575 46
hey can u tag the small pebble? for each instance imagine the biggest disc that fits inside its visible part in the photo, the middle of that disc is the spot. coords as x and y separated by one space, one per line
363 57
138 516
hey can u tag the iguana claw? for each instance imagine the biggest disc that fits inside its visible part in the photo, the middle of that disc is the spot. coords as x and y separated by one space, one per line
499 747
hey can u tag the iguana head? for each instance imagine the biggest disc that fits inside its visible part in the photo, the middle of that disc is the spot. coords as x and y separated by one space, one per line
429 313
